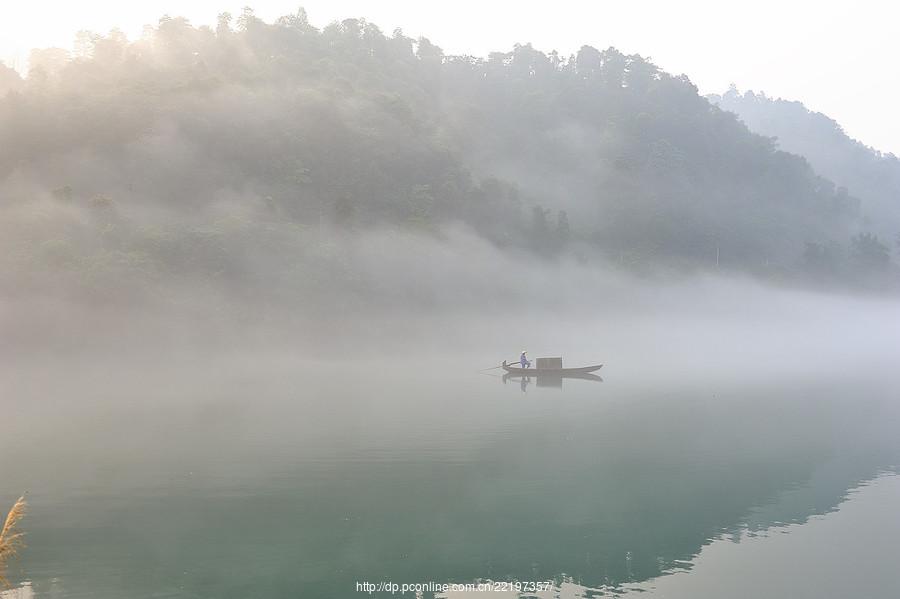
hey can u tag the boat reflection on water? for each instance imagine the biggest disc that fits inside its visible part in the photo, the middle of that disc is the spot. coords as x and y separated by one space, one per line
548 380
548 372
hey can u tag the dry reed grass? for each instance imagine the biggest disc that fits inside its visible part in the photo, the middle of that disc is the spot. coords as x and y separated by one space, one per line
10 538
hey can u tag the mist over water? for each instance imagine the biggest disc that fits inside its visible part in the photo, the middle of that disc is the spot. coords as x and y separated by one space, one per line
393 292
370 447
256 283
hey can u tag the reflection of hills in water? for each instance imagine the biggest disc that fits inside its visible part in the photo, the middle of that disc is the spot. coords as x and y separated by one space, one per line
817 559
640 493
269 488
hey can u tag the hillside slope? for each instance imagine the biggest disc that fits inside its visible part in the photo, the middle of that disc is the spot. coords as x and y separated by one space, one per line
222 153
868 174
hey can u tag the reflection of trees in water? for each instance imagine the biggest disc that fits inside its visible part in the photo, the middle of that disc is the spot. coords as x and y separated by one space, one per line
654 482
599 498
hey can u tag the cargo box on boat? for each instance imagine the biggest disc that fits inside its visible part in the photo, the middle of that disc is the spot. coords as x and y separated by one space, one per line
552 363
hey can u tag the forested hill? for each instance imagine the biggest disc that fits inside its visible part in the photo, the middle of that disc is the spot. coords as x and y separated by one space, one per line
872 176
285 127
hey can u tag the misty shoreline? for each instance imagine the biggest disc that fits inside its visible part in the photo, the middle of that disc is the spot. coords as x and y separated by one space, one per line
287 166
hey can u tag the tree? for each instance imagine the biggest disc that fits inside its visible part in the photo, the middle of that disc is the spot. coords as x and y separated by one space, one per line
541 239
588 62
539 226
563 230
869 253
248 20
9 80
223 24
110 50
46 63
63 194
298 21
84 44
820 259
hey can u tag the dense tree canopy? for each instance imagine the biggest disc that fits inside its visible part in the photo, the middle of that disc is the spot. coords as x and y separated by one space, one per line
870 175
192 148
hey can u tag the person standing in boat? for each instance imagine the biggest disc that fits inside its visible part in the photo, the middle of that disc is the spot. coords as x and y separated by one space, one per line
524 361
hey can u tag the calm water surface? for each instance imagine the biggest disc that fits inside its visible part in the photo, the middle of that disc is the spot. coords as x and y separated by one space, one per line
229 479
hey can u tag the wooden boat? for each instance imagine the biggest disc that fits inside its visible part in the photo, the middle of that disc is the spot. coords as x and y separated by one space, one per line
550 371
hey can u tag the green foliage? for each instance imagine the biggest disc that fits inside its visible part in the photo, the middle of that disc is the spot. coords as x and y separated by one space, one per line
872 176
869 252
292 128
64 193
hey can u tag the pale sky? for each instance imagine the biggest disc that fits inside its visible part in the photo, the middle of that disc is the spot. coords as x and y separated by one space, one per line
837 58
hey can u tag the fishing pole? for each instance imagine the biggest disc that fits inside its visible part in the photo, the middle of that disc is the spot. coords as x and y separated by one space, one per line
495 367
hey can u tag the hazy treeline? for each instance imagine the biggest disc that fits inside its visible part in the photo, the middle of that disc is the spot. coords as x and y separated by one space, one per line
251 157
871 176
